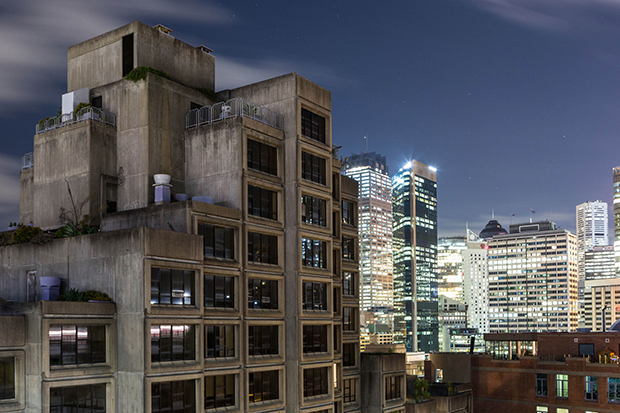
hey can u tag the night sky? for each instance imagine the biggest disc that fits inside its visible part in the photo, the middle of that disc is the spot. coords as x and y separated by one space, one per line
515 102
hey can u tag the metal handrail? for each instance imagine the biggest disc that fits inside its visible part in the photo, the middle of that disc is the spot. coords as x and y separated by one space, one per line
89 113
27 160
232 108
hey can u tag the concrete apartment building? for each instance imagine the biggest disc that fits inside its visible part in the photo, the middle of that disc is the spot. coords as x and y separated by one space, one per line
414 211
547 372
533 279
374 216
233 300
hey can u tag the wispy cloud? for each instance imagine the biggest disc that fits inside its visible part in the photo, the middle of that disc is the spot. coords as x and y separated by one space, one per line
35 35
553 15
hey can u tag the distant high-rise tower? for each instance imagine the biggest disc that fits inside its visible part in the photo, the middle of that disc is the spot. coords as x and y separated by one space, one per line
616 171
592 229
414 209
375 243
476 282
450 267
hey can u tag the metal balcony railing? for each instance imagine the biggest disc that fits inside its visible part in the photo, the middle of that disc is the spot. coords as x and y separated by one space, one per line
230 109
27 161
93 113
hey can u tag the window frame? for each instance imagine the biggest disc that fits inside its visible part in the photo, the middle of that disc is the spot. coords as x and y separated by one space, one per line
393 388
309 334
191 282
318 378
313 126
229 285
613 395
228 401
73 346
220 248
349 284
591 388
561 386
268 211
252 386
263 150
189 383
313 210
257 242
217 338
6 380
314 253
259 333
348 248
542 385
188 345
274 285
313 168
350 384
309 295
76 387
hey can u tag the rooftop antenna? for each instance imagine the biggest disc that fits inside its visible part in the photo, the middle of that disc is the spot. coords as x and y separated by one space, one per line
366 138
493 213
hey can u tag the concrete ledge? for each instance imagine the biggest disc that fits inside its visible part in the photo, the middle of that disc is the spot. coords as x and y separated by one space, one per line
12 331
76 308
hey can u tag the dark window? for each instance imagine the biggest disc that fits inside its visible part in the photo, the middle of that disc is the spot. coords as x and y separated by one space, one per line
348 319
220 341
77 344
219 391
591 388
262 340
262 294
194 105
262 157
315 296
312 125
348 354
262 248
313 253
349 390
170 286
586 350
89 398
348 213
219 241
393 387
219 291
315 382
263 386
97 102
313 210
348 248
111 192
315 338
127 54
541 384
262 202
172 343
7 378
337 338
348 283
173 396
313 168
336 299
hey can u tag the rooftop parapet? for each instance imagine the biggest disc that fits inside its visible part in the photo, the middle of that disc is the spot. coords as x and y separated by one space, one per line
232 108
89 113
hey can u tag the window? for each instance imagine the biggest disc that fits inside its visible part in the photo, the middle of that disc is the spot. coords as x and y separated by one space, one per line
262 294
315 382
219 391
337 338
7 378
348 213
220 341
586 349
315 296
348 319
348 248
219 291
173 343
262 157
262 202
313 253
264 386
349 390
89 398
393 387
561 382
219 241
313 210
348 283
591 388
76 345
542 409
541 384
127 54
169 286
614 389
173 396
97 102
312 125
262 340
349 350
313 168
262 248
315 338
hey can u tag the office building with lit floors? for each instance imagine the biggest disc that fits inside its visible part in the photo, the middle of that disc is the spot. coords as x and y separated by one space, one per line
414 210
374 217
616 201
214 223
476 282
533 279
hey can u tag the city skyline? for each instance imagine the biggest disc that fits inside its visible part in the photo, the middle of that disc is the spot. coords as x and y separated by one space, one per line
499 96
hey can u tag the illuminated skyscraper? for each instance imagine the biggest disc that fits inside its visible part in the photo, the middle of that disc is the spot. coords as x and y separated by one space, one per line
616 171
375 243
592 229
476 282
414 209
450 267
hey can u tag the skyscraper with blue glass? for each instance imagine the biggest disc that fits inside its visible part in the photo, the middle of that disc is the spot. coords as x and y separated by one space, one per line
414 211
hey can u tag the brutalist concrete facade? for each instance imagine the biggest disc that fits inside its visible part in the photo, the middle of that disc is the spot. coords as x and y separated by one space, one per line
259 309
